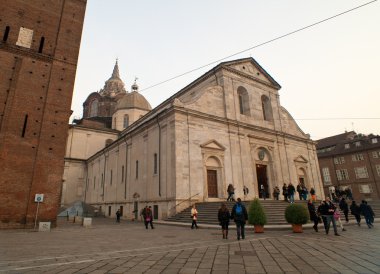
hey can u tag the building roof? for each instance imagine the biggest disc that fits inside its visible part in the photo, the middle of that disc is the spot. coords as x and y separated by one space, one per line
346 143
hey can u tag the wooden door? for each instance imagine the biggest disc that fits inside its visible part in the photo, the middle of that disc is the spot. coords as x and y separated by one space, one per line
212 184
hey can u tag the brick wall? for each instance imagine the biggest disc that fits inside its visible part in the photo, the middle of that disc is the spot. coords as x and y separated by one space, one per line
37 72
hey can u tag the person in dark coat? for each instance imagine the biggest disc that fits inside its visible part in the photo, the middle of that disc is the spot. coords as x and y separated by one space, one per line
327 210
368 213
313 214
118 214
240 216
355 210
299 190
224 219
285 192
344 207
291 191
320 209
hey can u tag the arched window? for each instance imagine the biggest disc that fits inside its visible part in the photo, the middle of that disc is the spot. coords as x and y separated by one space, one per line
126 121
243 101
94 108
267 108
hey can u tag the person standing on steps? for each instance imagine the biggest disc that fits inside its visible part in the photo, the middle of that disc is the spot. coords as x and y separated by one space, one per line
240 216
224 219
285 192
194 217
231 192
344 207
263 192
291 191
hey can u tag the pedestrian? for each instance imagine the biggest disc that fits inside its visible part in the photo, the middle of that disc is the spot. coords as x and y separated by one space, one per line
231 192
349 194
194 217
291 191
313 196
148 217
118 214
337 218
355 210
320 210
304 192
224 219
313 214
327 210
344 207
240 216
263 192
285 192
299 190
245 191
367 212
276 192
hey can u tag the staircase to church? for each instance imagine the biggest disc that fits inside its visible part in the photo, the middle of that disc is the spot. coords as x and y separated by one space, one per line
275 211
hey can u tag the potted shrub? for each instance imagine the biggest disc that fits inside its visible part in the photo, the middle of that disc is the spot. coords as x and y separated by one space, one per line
256 216
296 215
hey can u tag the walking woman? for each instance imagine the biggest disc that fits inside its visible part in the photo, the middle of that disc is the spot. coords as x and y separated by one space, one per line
194 217
224 219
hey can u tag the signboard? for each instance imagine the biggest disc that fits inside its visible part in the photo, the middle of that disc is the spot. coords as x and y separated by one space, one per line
44 226
39 198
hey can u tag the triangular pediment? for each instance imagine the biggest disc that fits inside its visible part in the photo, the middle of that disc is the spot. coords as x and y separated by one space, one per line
249 67
212 144
300 159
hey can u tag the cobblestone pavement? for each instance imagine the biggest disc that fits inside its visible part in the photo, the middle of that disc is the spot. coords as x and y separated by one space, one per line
128 247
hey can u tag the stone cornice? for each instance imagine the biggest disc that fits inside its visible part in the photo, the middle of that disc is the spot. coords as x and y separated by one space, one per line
31 54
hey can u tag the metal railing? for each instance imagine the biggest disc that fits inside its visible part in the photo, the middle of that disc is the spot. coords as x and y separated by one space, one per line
188 199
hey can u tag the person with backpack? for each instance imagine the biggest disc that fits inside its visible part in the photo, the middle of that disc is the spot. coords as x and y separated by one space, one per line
240 216
224 219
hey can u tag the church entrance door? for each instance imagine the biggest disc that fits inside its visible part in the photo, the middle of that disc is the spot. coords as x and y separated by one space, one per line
212 184
262 179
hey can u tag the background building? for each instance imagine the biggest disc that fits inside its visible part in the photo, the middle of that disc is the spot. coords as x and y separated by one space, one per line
227 126
351 160
39 49
105 114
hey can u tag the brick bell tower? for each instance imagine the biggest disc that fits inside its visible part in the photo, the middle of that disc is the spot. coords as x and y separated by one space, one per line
39 46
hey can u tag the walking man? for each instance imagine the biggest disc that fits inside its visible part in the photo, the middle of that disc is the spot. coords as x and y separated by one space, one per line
240 216
118 214
327 210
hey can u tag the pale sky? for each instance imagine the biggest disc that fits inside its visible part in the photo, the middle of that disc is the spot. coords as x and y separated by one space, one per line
329 73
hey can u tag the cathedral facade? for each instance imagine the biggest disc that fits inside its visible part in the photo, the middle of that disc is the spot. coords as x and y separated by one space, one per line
226 127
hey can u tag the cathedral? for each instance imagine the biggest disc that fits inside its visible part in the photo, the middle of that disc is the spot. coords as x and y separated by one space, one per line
226 127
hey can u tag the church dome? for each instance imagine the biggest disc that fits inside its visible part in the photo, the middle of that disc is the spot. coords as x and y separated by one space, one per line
133 100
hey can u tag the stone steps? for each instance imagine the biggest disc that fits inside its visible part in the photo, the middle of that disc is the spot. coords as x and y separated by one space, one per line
275 211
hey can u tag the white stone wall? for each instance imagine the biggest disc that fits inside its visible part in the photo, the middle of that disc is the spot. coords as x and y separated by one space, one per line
133 115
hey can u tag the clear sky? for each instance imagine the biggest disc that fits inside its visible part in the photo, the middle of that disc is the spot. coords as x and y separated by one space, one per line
329 73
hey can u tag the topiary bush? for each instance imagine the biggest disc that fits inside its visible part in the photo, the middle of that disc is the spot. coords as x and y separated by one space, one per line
256 213
296 214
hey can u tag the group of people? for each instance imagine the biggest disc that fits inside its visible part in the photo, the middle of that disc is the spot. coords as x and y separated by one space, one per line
288 191
328 212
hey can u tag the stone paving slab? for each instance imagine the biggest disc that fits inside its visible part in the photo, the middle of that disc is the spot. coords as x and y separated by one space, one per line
108 247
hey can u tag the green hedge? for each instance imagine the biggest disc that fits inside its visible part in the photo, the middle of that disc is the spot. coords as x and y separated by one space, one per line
296 214
256 214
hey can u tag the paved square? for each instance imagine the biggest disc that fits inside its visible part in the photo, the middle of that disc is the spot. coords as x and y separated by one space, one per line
109 247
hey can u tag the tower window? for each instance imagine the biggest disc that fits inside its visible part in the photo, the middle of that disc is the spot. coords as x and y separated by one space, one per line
24 127
42 41
155 163
6 33
137 169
